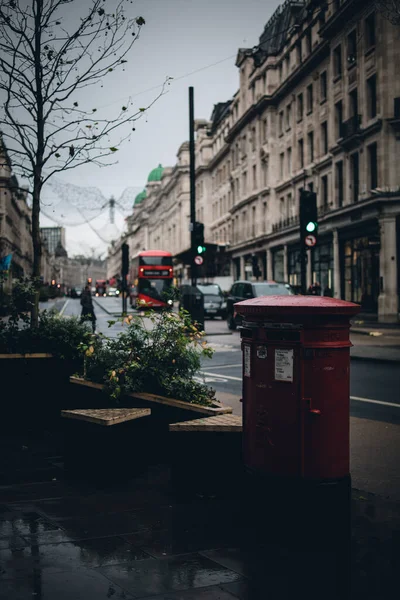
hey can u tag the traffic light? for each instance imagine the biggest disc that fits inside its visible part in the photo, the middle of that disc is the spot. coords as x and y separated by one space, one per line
89 280
125 259
199 238
308 218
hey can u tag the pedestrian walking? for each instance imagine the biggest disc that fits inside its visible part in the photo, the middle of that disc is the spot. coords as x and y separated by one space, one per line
87 313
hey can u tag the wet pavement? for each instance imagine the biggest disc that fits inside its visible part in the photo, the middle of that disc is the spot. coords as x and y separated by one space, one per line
143 538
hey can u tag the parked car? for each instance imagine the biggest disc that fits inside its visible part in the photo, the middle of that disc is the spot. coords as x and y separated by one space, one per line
113 291
245 290
214 300
76 292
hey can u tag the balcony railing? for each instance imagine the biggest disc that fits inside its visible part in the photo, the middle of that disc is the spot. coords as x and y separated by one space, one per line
350 127
284 223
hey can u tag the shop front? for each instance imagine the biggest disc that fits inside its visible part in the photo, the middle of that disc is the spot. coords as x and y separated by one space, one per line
322 267
294 269
360 272
278 259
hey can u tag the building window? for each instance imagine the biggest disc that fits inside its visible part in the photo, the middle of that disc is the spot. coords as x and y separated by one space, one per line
309 41
371 97
324 191
281 164
244 181
254 177
324 137
299 53
288 116
353 103
300 107
264 166
323 86
280 72
310 139
355 176
287 65
337 61
253 94
373 165
339 183
300 151
352 48
265 130
253 139
289 160
310 99
264 217
370 31
338 118
281 123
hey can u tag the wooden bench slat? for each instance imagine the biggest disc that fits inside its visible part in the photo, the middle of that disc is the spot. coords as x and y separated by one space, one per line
217 409
219 423
106 416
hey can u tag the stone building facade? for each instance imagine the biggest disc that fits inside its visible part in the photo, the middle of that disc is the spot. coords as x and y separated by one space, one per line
318 107
161 217
15 221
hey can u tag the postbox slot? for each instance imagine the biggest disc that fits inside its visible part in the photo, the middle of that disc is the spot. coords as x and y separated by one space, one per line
283 336
246 333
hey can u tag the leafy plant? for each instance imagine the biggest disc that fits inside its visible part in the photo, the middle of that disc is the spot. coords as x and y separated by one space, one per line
161 358
54 334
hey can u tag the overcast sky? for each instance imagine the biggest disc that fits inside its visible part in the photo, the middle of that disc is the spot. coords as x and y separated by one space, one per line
180 37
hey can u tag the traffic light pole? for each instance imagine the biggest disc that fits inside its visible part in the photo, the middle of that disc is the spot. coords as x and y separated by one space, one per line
303 268
193 267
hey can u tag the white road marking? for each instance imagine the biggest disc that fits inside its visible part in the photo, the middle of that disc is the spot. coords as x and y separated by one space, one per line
370 401
225 367
223 376
211 379
64 307
357 398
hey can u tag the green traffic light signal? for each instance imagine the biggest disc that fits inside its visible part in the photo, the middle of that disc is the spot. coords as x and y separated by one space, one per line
311 226
201 249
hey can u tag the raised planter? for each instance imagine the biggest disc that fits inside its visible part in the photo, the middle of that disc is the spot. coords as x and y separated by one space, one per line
34 388
164 411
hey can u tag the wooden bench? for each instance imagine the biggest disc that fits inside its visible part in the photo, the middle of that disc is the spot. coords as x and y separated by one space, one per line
106 416
206 454
105 443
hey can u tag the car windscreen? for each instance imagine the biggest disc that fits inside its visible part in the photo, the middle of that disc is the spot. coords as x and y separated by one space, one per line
210 290
271 289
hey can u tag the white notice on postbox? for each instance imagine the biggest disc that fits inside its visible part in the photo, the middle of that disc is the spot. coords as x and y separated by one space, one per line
247 359
283 365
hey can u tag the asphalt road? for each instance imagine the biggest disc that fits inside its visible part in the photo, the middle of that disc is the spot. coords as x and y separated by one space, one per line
374 409
374 388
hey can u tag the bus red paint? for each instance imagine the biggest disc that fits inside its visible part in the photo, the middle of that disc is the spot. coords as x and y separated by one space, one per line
151 273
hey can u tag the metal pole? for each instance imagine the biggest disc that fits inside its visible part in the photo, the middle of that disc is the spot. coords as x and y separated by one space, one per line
193 267
303 263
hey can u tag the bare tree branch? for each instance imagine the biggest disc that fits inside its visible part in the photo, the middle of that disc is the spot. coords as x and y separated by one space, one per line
46 62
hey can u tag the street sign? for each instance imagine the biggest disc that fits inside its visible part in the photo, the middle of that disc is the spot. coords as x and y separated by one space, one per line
198 260
310 241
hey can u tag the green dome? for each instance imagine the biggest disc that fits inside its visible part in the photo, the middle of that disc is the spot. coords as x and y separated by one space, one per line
140 197
156 174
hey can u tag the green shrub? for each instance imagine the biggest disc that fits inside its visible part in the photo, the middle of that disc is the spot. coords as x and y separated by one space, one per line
162 358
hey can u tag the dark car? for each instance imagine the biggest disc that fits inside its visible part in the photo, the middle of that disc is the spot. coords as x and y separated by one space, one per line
214 301
245 290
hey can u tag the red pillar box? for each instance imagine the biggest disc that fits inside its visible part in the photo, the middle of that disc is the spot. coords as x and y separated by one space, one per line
296 385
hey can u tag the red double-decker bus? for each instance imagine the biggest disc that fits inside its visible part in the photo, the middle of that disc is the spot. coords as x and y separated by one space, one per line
152 274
